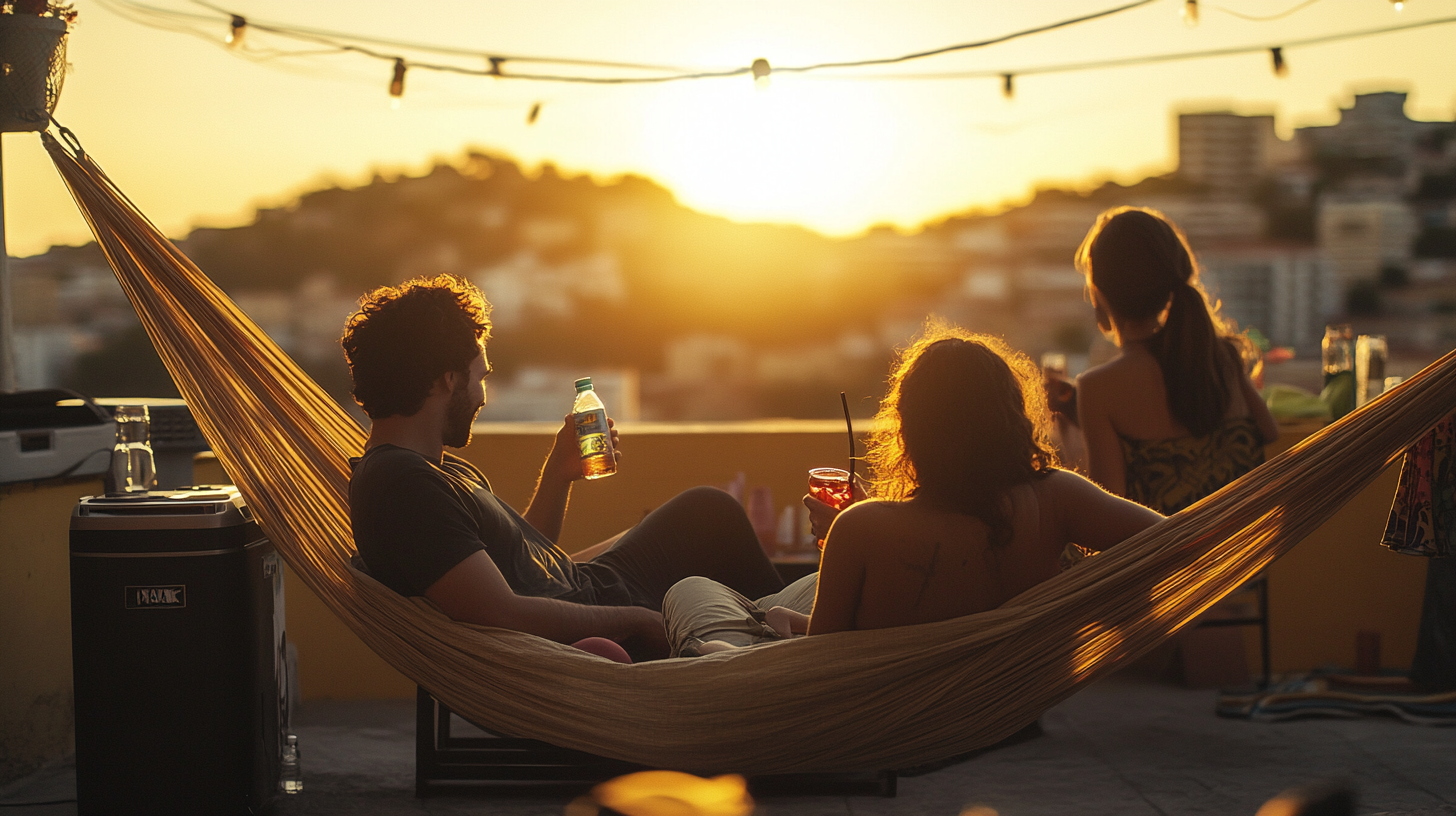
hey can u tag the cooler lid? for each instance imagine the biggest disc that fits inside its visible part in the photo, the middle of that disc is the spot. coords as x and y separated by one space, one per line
188 508
48 408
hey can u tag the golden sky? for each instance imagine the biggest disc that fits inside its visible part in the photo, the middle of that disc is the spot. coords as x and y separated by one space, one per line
197 135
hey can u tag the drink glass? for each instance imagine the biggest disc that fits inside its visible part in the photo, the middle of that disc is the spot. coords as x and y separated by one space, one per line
1371 352
831 486
133 470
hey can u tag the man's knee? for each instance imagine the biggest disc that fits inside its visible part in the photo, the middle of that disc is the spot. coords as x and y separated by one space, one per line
709 500
687 592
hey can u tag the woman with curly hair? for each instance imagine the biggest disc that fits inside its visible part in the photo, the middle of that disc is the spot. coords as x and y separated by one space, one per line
971 509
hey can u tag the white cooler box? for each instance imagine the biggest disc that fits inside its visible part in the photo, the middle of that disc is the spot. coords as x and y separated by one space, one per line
53 433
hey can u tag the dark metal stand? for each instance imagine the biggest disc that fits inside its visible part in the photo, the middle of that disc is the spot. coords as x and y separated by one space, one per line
445 761
1259 584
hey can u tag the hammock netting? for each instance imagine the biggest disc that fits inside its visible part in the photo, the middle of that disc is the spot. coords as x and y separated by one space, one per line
851 701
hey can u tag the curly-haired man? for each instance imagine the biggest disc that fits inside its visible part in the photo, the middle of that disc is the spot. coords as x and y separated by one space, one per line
426 522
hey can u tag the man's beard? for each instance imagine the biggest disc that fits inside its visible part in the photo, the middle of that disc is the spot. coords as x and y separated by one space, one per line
459 416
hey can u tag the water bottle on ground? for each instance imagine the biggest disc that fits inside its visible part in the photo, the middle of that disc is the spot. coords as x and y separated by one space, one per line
593 437
290 772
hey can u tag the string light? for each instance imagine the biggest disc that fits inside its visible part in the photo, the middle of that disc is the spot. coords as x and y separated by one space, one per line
236 31
1190 13
535 112
1399 5
1008 89
396 84
359 44
350 43
1280 69
761 72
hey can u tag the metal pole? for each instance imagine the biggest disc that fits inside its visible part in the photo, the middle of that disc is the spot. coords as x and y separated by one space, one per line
7 314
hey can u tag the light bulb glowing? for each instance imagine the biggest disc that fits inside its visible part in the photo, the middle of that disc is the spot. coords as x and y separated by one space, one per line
236 30
1399 5
761 72
1190 13
396 84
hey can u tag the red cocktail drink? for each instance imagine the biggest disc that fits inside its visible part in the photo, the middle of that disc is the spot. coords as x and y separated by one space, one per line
831 486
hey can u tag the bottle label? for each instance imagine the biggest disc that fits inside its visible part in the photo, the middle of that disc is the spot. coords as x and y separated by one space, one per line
591 433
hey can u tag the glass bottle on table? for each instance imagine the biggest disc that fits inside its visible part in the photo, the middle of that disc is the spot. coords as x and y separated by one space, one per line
1338 350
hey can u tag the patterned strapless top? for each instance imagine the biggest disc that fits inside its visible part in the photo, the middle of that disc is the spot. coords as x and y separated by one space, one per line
1171 474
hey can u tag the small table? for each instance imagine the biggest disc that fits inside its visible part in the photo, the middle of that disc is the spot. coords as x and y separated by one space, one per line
793 566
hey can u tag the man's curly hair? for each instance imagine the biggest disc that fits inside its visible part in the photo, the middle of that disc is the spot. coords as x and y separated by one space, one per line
405 337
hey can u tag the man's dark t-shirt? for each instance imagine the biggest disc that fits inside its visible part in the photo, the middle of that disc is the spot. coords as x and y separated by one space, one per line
414 521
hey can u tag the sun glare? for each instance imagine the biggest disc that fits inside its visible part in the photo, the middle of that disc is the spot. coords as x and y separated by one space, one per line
799 150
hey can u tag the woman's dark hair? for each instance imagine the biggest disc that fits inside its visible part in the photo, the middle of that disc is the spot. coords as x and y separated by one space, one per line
405 337
964 419
1140 265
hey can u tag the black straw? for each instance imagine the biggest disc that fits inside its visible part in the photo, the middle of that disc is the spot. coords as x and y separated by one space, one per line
843 400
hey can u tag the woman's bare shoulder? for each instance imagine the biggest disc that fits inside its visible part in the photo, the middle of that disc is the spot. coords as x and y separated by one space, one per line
871 519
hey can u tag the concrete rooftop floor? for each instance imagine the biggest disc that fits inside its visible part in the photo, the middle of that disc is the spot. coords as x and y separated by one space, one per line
1122 746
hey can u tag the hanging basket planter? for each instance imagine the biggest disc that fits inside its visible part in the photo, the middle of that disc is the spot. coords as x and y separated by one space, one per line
32 69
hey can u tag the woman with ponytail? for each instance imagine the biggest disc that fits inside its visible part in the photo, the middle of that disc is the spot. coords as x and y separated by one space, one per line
1174 417
972 509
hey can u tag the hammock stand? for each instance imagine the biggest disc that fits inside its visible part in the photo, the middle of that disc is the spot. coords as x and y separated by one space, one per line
853 701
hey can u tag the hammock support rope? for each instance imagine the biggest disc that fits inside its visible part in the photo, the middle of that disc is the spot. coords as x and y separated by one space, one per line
845 702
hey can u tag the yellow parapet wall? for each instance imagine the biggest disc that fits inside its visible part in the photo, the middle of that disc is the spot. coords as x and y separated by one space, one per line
36 711
1340 581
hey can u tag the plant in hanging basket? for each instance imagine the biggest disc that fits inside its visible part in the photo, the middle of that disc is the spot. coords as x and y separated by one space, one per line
32 61
40 8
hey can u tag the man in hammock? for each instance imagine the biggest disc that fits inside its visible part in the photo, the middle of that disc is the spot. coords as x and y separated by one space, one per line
427 524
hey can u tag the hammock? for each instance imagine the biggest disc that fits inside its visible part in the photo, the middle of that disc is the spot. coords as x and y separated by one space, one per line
845 702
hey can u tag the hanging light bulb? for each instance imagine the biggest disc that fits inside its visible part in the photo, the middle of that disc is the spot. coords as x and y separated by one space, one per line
761 72
535 112
1190 13
396 84
1277 55
1399 4
1008 87
495 65
235 32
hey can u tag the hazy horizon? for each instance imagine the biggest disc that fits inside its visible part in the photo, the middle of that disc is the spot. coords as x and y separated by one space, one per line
200 137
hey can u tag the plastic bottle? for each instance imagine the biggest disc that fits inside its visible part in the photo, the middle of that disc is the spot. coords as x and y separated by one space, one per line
290 772
598 460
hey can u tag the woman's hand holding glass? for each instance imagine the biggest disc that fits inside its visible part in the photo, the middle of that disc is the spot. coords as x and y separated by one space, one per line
822 514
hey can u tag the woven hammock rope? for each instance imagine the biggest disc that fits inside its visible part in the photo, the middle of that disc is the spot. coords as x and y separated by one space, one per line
850 701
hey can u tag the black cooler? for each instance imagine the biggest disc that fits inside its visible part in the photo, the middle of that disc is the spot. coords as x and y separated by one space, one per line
178 651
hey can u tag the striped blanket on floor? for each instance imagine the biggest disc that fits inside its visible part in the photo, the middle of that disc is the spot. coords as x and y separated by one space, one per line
1340 695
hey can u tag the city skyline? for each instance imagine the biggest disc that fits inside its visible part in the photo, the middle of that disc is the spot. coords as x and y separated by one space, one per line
204 147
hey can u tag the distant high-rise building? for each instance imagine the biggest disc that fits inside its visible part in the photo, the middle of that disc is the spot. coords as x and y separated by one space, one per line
1284 290
1375 127
1357 238
1227 152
